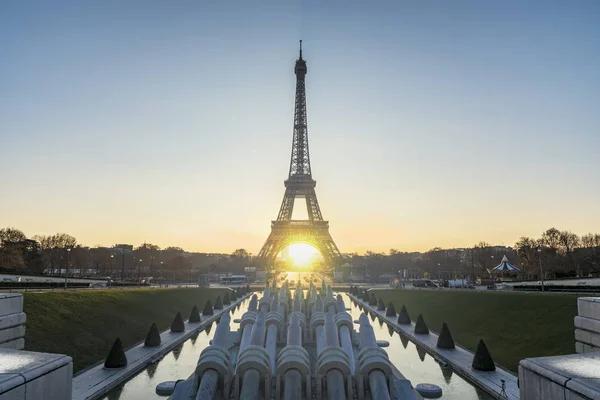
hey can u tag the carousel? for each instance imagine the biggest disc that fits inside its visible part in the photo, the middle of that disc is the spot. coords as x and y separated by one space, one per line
505 269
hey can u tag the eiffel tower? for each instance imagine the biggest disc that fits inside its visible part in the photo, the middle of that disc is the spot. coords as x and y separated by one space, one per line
300 184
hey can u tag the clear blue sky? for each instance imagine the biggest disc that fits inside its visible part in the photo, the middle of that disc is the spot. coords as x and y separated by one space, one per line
430 123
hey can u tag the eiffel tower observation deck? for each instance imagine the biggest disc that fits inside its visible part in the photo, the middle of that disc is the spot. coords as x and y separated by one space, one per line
300 185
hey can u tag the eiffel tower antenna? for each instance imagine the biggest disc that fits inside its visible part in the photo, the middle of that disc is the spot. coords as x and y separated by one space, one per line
314 231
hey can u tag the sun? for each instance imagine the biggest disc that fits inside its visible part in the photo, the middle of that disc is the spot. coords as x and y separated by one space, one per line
302 254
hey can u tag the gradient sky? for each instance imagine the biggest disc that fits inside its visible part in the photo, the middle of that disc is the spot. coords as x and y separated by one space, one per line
438 123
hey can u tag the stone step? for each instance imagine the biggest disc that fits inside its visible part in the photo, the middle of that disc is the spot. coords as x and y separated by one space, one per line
589 307
587 324
587 337
581 348
13 333
17 344
10 320
10 303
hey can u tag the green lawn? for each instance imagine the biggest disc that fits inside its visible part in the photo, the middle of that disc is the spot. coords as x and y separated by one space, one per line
513 325
83 324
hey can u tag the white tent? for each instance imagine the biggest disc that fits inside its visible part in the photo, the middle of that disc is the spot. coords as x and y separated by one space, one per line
505 266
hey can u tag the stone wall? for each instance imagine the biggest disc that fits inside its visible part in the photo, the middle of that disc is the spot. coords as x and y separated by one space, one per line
25 374
12 321
571 377
587 325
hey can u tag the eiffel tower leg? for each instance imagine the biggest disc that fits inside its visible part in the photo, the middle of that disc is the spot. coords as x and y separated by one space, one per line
270 249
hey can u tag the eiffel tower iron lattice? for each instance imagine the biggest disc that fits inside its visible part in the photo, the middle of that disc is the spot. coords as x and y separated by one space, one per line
300 184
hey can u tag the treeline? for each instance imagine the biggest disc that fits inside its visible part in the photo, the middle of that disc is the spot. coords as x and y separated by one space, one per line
562 254
59 253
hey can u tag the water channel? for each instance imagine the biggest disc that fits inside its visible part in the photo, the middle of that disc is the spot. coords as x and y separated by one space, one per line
181 362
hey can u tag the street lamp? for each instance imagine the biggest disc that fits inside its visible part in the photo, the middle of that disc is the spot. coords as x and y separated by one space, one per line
492 274
67 269
112 265
122 263
541 270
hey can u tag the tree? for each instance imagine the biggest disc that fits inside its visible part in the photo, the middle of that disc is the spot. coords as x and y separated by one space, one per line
11 254
527 255
179 266
8 235
238 260
54 250
591 252
149 254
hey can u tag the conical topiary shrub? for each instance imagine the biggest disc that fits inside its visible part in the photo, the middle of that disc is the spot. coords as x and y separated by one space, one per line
218 303
482 361
208 308
247 288
116 356
445 340
391 311
153 336
194 315
365 296
234 295
226 300
403 317
177 325
372 300
380 305
421 327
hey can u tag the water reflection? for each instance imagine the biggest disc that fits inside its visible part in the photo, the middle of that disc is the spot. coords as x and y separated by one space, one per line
391 331
410 361
208 328
404 341
179 366
151 370
414 364
177 351
447 372
115 394
194 337
422 353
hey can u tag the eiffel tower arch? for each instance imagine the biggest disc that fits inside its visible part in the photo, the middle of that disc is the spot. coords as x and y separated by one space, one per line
300 184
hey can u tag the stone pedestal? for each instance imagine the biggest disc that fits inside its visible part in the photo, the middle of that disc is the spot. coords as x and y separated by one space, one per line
12 321
572 377
587 325
27 375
